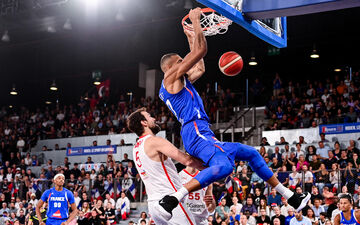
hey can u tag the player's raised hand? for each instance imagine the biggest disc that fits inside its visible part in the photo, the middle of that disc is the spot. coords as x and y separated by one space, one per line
189 34
195 14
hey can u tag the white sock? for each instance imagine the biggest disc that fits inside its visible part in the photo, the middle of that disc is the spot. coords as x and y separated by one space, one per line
285 192
180 194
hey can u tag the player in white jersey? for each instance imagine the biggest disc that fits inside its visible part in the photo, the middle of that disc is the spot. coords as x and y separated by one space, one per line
200 202
152 157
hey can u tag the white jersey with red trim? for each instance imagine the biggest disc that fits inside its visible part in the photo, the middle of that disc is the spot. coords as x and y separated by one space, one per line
194 200
160 178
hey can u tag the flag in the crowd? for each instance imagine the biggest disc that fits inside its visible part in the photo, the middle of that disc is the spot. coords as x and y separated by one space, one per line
221 197
104 89
95 194
34 188
110 189
13 189
123 211
119 190
228 184
132 190
238 183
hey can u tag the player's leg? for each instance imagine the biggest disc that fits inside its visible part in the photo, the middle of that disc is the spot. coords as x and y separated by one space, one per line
259 166
220 166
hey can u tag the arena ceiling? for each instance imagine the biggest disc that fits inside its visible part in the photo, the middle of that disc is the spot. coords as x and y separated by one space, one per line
115 35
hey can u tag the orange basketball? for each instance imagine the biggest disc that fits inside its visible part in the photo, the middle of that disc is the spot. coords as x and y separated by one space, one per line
230 63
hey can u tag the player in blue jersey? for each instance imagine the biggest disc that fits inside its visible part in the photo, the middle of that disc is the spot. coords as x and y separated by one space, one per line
184 102
58 199
348 215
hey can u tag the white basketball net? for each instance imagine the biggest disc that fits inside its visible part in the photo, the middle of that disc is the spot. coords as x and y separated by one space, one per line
212 23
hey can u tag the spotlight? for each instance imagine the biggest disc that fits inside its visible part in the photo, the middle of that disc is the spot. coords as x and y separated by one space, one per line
337 70
97 81
5 37
47 102
53 86
252 61
314 54
10 106
13 90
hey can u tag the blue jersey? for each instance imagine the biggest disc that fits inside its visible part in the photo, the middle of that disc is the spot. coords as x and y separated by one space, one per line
58 201
352 220
186 105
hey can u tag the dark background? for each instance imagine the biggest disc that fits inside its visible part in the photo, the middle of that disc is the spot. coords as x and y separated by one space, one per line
34 57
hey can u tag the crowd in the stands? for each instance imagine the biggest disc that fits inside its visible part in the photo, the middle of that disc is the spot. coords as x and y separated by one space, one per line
303 105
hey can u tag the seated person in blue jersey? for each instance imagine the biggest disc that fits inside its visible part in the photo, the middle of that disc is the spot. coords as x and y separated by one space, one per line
184 102
348 215
58 199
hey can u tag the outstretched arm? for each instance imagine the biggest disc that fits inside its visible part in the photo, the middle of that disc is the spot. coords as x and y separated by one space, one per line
209 199
337 219
198 52
199 69
165 147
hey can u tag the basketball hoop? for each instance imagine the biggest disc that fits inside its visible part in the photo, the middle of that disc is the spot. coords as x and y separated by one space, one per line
211 22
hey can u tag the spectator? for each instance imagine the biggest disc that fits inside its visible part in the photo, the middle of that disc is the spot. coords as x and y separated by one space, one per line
110 214
322 138
277 216
274 197
322 177
236 205
89 160
95 143
317 208
299 219
122 206
262 218
277 85
285 207
311 216
143 216
249 206
233 216
335 177
276 154
331 160
299 151
94 219
291 214
263 206
108 199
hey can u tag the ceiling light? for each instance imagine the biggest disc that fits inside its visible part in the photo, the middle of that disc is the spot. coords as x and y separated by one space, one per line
53 86
47 102
5 37
97 81
67 25
337 70
252 61
13 90
10 106
314 54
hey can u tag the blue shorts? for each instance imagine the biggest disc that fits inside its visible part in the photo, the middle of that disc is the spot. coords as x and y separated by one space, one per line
52 221
200 141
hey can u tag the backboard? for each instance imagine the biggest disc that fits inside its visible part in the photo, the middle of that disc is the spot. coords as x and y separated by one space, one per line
266 19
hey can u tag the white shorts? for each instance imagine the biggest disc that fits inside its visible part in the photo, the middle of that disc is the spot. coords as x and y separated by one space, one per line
200 220
181 215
